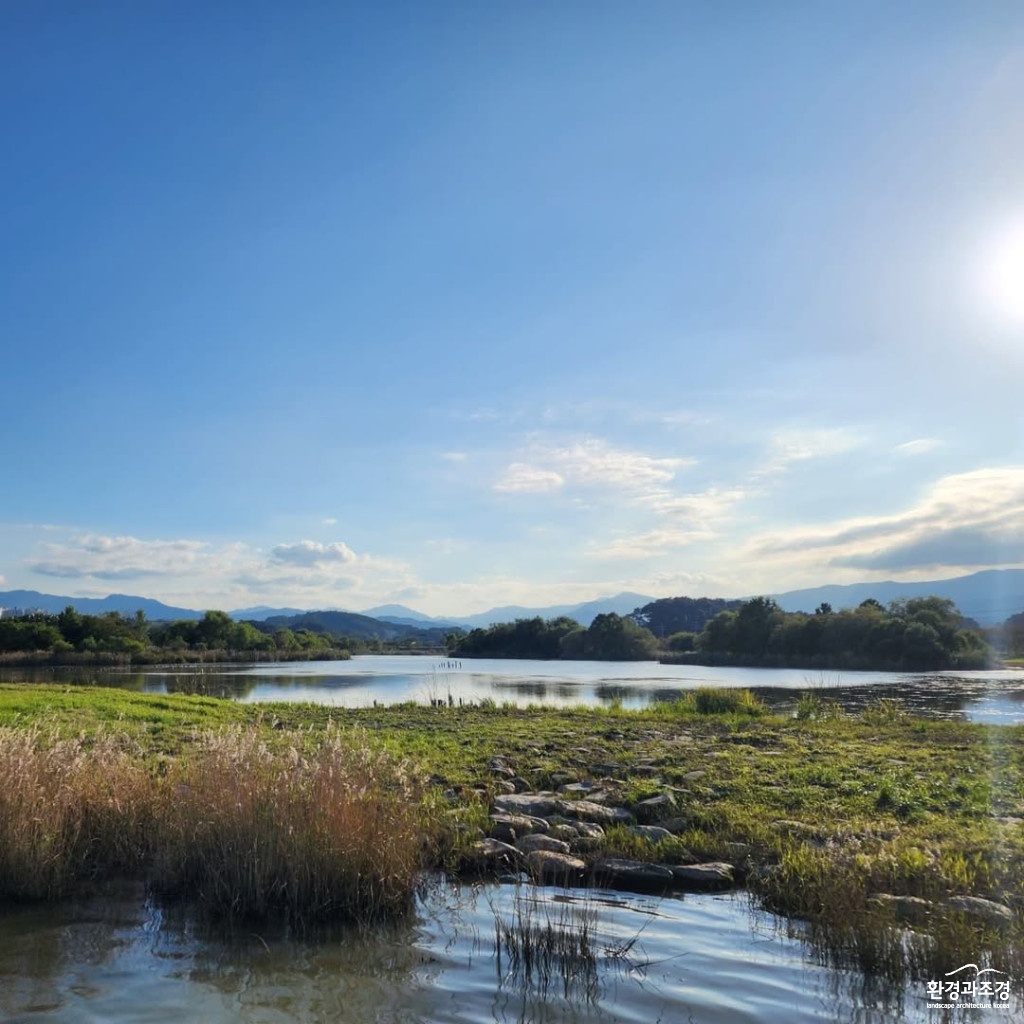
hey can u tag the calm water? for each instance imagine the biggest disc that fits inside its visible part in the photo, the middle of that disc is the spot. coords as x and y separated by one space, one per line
994 697
706 959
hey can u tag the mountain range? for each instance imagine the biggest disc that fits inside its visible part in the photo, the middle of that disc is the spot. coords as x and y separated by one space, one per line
989 597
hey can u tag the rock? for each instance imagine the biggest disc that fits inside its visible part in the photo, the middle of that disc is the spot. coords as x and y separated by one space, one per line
567 833
605 768
655 806
653 833
694 775
538 841
631 875
548 866
588 829
520 784
587 810
504 785
489 854
907 909
539 805
738 850
499 766
989 910
577 788
715 875
510 827
676 825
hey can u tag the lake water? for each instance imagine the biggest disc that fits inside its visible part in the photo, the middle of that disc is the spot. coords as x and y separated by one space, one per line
994 697
705 959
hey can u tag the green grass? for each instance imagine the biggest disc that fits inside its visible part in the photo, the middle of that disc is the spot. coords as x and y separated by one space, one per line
833 808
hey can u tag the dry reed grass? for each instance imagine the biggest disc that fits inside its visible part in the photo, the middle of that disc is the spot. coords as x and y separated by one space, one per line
243 829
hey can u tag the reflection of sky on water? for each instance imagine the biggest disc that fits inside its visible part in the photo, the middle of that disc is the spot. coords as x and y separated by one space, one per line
116 956
994 697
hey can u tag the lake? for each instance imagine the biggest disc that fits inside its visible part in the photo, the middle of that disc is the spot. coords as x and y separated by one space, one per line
709 959
994 696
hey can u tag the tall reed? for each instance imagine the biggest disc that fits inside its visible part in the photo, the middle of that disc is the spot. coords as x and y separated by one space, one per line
247 831
70 809
306 830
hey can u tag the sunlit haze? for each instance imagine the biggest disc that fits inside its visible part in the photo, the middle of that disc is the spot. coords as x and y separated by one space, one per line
458 305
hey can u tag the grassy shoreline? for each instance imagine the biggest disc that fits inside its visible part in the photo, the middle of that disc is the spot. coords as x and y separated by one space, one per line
831 811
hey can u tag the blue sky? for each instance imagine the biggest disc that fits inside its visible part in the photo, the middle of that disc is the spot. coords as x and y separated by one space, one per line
463 304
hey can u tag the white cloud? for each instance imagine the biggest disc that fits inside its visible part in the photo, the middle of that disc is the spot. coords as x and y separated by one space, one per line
920 446
454 456
118 558
788 447
329 521
521 478
311 552
587 463
963 522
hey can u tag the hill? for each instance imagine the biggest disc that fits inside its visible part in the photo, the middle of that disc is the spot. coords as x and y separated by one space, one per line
989 597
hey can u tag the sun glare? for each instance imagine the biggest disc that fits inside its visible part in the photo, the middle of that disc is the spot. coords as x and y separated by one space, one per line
1002 274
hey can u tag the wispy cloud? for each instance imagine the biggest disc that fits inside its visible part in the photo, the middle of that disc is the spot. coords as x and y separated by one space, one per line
522 478
919 446
789 446
589 462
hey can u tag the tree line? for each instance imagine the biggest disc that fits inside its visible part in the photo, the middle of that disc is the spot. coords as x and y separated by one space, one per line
115 636
919 634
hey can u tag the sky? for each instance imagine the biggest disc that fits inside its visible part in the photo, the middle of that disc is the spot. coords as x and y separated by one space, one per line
462 304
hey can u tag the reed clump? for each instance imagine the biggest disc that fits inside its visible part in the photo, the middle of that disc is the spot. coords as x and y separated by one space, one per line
301 829
70 809
252 831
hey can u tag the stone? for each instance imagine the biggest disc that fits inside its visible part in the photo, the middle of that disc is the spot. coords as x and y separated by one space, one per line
510 827
605 768
910 910
548 866
539 841
588 829
588 810
577 788
499 766
655 806
694 775
653 833
491 853
631 875
989 910
567 833
538 805
714 875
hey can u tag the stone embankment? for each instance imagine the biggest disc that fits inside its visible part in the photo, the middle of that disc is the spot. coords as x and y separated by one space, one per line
559 837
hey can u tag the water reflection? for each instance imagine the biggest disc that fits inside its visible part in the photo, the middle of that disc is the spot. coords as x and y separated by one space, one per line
116 957
994 697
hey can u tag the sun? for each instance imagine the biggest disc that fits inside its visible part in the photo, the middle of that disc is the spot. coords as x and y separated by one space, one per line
1002 273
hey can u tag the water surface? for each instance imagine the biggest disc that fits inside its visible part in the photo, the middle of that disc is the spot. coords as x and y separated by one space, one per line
707 959
994 696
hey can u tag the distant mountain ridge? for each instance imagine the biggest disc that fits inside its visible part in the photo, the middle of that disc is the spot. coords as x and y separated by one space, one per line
990 597
125 604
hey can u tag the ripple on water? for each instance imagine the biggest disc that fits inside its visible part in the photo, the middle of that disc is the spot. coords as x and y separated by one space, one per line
707 959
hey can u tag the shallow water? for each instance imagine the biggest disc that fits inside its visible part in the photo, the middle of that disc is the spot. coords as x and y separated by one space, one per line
702 958
993 697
